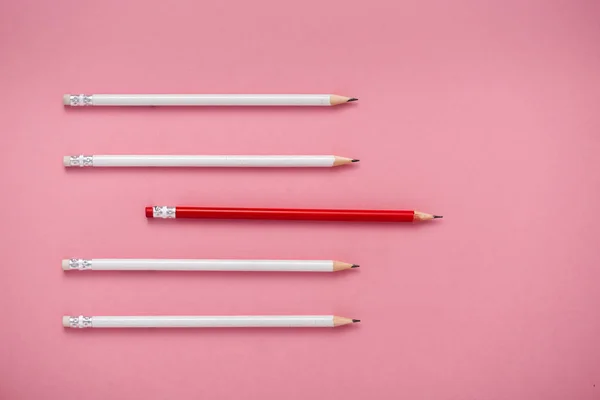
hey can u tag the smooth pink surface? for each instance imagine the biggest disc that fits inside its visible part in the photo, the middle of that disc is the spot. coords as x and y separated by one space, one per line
486 112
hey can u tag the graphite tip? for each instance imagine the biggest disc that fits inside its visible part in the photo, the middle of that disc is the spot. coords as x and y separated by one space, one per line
352 99
355 266
355 160
438 216
355 320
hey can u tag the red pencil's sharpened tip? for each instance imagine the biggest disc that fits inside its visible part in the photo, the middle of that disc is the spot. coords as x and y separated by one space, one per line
438 216
149 213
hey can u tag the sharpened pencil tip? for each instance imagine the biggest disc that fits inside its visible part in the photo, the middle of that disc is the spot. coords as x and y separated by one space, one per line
438 216
352 99
355 160
355 320
355 266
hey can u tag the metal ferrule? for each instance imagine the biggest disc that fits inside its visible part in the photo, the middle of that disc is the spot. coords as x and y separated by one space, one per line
80 322
81 161
76 100
163 212
80 264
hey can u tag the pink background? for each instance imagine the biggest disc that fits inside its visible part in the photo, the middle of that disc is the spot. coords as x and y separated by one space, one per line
486 112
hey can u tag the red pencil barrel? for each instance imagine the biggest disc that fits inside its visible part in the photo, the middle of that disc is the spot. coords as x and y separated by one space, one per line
293 214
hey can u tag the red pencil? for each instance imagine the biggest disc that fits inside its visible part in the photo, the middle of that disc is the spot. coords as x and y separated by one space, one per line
288 214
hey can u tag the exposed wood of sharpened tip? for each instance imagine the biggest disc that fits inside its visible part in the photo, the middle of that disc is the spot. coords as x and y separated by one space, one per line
335 99
340 266
337 161
339 321
421 216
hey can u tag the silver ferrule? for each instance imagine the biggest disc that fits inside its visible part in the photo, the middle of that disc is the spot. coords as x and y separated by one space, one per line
76 100
80 161
80 264
80 322
163 212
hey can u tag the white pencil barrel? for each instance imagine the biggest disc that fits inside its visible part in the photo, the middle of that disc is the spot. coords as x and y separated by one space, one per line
198 100
254 321
197 265
199 161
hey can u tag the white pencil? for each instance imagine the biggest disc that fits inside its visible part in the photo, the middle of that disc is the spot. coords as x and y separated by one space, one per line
95 264
204 161
75 100
238 321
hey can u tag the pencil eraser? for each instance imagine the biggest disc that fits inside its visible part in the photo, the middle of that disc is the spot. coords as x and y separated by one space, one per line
66 99
65 265
67 161
66 321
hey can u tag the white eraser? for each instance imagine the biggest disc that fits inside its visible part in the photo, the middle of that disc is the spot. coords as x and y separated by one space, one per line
65 265
66 321
66 161
66 99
